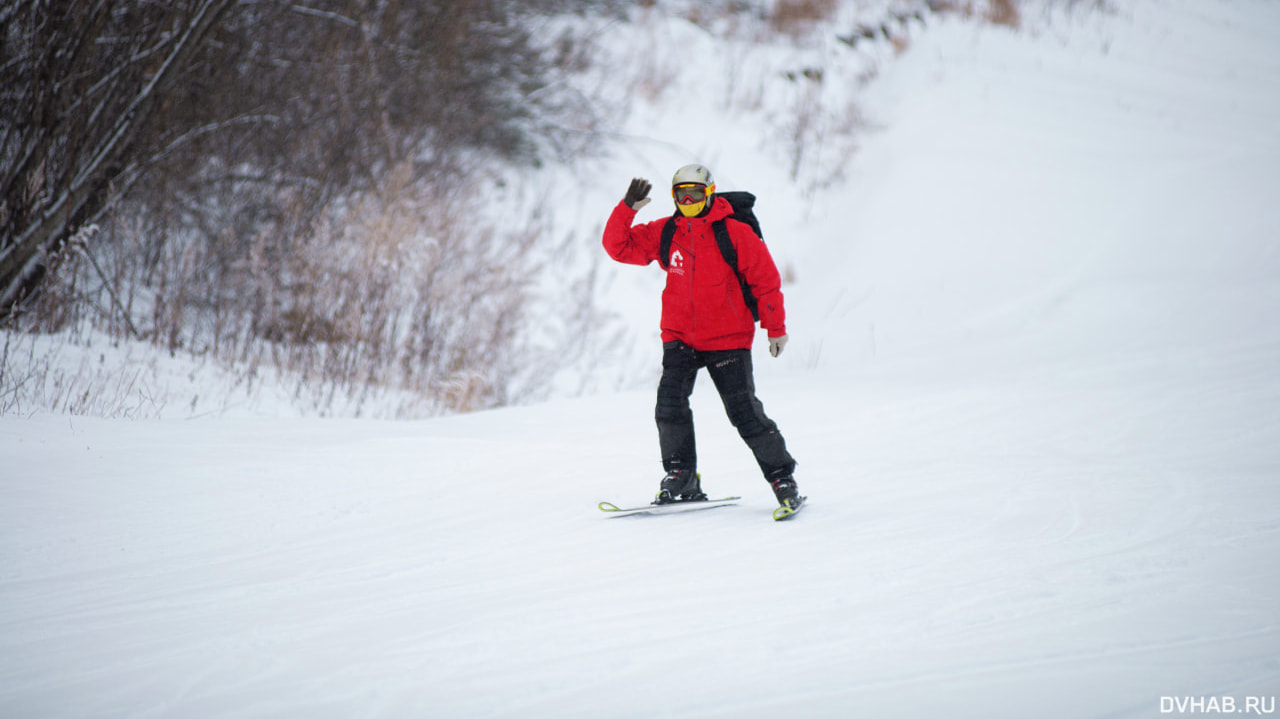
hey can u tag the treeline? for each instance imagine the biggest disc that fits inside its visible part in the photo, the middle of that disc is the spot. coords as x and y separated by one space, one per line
283 180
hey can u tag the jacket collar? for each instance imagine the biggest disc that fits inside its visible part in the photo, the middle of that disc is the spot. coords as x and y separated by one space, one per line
720 209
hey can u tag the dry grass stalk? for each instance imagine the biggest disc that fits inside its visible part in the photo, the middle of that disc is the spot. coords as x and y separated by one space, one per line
1004 13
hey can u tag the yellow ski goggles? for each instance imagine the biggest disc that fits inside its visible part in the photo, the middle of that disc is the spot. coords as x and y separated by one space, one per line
689 193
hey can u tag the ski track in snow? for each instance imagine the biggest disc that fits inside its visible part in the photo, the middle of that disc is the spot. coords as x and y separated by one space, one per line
1041 456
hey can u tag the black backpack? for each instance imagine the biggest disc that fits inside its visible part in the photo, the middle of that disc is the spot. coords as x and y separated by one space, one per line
742 203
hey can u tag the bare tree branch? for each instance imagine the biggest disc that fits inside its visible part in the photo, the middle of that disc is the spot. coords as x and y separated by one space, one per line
31 232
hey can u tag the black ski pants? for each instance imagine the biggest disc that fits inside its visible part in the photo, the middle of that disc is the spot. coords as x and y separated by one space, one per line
732 373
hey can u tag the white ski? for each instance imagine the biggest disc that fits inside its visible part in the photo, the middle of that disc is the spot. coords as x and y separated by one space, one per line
614 510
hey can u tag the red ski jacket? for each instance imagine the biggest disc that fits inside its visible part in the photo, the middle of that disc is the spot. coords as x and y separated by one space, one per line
702 304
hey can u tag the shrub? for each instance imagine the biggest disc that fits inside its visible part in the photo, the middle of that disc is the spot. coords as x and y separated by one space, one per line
797 17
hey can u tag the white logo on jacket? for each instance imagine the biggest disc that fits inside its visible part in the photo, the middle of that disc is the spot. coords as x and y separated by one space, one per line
676 265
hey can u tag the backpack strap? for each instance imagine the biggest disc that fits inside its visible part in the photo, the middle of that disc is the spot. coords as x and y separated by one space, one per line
664 245
730 253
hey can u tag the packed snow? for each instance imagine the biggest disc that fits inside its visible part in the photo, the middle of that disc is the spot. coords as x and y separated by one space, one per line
1033 385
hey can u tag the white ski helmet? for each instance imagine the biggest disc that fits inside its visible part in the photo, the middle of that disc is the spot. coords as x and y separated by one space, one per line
692 188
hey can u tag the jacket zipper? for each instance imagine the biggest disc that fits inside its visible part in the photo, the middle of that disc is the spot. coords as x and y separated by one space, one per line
693 306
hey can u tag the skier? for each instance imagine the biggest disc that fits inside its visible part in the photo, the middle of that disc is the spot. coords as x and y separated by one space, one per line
706 323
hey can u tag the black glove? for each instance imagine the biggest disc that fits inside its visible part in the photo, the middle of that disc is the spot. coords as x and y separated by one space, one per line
638 194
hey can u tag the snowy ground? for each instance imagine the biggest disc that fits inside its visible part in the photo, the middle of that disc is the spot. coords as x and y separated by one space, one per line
1033 384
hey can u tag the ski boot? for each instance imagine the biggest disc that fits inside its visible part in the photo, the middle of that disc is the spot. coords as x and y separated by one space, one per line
680 485
788 495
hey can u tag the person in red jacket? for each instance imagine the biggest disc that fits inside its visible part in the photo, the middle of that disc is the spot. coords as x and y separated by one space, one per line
706 323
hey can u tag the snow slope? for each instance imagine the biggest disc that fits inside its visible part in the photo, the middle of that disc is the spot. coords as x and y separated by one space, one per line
1033 384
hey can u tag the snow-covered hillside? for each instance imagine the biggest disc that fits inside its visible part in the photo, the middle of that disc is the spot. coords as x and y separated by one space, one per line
1033 385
